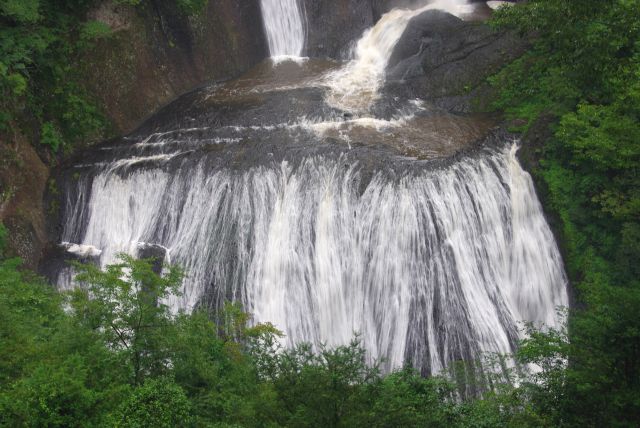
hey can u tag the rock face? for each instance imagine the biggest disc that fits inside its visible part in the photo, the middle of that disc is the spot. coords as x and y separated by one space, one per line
23 178
446 60
333 27
155 252
157 53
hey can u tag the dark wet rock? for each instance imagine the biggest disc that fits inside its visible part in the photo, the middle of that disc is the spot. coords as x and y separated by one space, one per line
263 117
23 179
334 27
380 7
254 110
157 53
446 60
157 253
57 260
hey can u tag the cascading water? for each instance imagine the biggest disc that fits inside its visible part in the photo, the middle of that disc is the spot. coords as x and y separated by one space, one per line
428 266
355 86
322 227
284 25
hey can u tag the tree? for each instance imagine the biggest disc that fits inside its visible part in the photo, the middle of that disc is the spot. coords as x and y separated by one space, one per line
211 362
53 371
126 303
159 403
316 388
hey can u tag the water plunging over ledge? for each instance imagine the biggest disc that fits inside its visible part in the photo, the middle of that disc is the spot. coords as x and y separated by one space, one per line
355 86
284 26
326 218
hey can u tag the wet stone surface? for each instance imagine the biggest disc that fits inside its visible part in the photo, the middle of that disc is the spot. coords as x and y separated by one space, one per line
281 107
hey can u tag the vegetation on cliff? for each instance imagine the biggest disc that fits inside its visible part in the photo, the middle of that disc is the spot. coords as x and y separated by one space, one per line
41 90
582 76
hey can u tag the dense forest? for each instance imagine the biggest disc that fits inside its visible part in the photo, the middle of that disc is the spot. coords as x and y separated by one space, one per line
112 354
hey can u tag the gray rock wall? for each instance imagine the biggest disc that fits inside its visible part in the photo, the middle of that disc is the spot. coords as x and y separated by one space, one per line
446 60
156 53
334 26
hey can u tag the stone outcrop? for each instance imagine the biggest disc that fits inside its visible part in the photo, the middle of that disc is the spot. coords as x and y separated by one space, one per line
153 54
446 60
23 178
157 53
334 27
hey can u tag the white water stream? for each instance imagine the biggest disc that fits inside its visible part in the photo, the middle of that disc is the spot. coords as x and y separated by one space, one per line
355 86
284 25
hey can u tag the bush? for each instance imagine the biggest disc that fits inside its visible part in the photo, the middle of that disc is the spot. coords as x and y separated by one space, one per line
158 403
3 239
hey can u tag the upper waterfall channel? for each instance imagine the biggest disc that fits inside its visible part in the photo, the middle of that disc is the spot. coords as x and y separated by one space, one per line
284 27
323 207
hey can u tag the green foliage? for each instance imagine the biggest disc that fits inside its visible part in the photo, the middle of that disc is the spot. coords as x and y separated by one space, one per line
52 371
191 7
93 30
41 89
126 302
584 70
20 10
405 398
216 372
53 395
26 308
111 354
604 375
3 239
50 137
120 358
103 355
39 85
158 403
319 388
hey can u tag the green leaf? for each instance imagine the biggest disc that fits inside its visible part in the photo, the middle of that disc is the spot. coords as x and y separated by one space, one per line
22 11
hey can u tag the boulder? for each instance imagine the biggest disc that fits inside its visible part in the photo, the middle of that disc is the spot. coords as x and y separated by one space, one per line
156 252
334 27
446 60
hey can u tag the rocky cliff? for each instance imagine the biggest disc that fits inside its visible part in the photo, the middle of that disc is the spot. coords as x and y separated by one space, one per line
156 53
446 60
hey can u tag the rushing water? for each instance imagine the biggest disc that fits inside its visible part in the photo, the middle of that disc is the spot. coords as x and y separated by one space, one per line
355 86
284 25
431 266
325 227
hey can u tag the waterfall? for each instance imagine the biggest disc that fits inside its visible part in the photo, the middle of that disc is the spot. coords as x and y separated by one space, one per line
429 267
355 86
323 227
284 25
